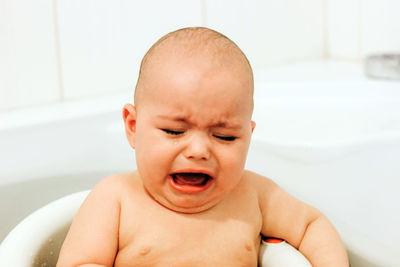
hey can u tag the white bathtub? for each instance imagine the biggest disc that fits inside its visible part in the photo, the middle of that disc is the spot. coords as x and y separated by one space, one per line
333 145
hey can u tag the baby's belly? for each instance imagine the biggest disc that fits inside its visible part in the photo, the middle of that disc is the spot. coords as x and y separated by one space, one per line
219 253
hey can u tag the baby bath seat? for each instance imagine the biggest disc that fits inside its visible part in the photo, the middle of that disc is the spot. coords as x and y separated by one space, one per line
36 241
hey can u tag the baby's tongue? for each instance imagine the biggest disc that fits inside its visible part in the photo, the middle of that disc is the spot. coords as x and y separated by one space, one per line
190 178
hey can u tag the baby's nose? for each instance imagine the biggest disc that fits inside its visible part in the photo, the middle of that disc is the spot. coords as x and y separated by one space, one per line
198 148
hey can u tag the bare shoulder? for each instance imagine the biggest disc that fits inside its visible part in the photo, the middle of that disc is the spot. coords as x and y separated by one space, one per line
264 186
117 184
266 190
269 192
283 215
93 235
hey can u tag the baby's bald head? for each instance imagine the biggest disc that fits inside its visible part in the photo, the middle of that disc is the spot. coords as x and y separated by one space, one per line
201 46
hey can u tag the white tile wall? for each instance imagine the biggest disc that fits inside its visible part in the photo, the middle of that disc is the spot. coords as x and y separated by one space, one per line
103 41
357 28
271 31
343 28
380 26
28 68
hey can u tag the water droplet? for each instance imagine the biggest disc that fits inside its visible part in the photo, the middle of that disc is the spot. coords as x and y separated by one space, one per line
51 252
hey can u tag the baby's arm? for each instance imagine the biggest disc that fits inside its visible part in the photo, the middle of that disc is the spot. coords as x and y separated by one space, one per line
303 226
93 237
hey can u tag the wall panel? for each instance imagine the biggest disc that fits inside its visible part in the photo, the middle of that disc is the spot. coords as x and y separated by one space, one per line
103 41
343 31
269 31
380 26
28 65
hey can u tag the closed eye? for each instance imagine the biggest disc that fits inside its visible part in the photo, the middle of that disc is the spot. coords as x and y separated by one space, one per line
225 138
172 132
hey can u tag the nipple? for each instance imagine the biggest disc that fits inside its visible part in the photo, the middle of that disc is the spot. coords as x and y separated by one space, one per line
144 251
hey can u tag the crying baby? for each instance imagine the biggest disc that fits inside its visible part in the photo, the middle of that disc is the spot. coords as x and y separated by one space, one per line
191 202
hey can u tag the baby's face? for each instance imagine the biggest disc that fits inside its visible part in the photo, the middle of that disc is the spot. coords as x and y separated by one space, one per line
193 128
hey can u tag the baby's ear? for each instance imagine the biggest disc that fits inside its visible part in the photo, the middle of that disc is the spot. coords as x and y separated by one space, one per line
253 125
129 116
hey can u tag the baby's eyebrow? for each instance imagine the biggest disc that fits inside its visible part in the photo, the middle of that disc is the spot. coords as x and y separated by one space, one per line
226 125
173 118
221 124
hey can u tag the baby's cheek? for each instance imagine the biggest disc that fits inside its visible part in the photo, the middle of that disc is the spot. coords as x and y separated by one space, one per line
238 156
233 162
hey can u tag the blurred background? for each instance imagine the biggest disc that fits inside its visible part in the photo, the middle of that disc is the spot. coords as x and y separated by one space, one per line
54 51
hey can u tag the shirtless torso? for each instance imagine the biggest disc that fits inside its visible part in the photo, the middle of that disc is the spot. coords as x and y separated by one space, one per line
151 235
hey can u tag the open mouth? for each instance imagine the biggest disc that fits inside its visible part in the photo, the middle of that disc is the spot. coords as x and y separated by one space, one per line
189 182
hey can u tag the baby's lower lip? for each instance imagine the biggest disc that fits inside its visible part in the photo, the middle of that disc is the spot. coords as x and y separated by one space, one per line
189 188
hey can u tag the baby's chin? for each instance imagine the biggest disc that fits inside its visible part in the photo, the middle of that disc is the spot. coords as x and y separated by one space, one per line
189 204
191 209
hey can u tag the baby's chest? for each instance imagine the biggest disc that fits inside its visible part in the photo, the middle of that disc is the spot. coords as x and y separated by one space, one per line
196 243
